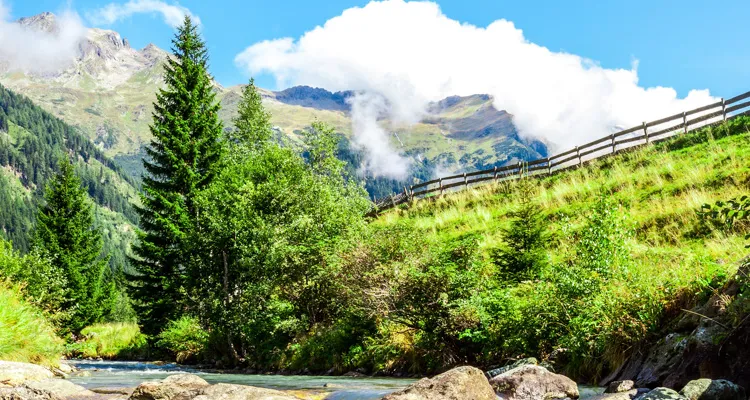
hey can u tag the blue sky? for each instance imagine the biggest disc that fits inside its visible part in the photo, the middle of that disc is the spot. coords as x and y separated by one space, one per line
687 44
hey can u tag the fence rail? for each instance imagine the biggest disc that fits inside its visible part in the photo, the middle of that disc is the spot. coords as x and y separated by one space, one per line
646 133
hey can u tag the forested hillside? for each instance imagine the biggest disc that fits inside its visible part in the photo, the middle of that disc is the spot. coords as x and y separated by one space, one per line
32 142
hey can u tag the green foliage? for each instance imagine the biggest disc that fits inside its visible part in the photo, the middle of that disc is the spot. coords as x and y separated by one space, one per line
110 341
66 236
728 212
42 283
523 254
185 338
252 126
183 158
25 334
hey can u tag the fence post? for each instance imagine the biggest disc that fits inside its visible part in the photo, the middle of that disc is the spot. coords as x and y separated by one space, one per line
393 201
724 109
578 153
614 144
520 169
645 132
406 193
441 187
411 192
495 176
549 166
684 121
466 182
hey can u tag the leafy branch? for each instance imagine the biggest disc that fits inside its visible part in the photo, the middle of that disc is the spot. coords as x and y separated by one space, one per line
728 212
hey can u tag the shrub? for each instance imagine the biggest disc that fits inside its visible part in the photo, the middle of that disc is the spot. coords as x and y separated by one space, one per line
185 338
111 341
25 334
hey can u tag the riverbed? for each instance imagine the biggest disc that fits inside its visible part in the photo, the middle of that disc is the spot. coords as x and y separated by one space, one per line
98 374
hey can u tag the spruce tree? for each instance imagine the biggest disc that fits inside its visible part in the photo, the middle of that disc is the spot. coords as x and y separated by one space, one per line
253 122
65 233
183 158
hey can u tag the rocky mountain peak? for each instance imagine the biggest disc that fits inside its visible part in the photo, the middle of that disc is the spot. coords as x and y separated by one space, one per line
45 22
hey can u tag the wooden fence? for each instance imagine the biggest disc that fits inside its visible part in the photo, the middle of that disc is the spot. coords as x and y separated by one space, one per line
646 133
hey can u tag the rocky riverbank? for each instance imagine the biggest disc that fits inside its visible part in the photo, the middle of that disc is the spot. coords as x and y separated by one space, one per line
521 381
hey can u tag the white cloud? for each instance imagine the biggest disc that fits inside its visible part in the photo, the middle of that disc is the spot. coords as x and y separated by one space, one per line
47 47
411 53
173 14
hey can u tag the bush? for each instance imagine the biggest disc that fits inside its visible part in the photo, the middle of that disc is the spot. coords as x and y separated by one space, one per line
25 333
111 341
185 338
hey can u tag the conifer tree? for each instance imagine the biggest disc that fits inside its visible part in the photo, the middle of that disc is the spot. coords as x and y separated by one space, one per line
253 122
66 236
183 158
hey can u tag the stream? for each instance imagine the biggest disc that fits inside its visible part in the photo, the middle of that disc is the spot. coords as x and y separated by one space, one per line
97 374
131 374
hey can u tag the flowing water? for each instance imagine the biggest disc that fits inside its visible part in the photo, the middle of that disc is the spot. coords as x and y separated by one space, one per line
131 374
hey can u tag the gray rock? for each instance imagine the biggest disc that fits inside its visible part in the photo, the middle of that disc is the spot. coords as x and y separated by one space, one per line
529 382
619 386
17 373
127 391
627 395
662 393
460 383
707 389
59 387
225 391
524 361
24 393
177 387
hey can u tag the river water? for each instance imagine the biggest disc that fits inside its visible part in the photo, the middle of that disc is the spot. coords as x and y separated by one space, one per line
131 374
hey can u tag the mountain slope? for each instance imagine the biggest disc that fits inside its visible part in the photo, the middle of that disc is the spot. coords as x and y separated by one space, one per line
31 143
109 89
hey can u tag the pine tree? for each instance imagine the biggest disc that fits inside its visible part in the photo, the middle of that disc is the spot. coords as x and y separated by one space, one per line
183 158
66 235
253 122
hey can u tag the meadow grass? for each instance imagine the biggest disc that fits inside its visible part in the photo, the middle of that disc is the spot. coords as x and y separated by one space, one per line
25 333
675 257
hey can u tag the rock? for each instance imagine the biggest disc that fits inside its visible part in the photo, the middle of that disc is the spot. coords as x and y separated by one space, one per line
355 374
707 389
180 386
226 391
619 386
59 387
533 382
626 395
515 364
24 393
127 391
460 383
17 373
662 393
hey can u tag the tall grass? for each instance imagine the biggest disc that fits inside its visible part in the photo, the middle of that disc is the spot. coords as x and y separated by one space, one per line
110 340
25 333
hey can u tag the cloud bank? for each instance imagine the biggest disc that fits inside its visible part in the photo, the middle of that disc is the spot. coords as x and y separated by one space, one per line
411 53
46 47
172 14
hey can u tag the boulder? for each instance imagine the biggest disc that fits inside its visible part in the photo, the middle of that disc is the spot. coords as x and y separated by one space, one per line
524 361
17 373
126 391
707 389
662 393
24 393
619 386
59 387
226 391
628 395
529 382
180 386
460 383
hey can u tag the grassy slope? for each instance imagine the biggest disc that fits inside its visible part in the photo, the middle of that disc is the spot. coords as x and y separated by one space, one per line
25 334
673 252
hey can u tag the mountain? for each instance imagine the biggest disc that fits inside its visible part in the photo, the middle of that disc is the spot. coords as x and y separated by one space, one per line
31 144
108 91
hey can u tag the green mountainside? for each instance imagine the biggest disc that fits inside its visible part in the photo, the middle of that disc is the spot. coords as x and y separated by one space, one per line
31 143
108 93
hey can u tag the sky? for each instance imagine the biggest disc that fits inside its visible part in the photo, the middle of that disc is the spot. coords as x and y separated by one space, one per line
687 44
568 71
